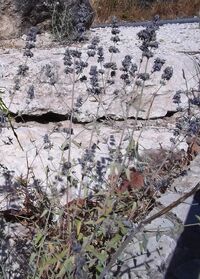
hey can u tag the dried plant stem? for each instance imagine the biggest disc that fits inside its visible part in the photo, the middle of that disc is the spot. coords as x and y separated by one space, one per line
100 101
137 112
133 97
90 142
132 132
70 128
187 92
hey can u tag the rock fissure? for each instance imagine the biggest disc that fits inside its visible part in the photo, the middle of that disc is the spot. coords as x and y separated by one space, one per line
52 117
42 119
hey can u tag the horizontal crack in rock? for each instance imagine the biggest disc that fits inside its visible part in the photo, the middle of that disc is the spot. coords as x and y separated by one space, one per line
56 117
43 118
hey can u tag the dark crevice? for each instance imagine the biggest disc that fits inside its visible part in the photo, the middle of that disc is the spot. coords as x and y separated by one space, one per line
56 117
170 113
43 118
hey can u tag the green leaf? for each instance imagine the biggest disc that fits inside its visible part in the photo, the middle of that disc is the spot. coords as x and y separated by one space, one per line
101 256
134 206
144 242
90 248
61 255
67 267
51 260
80 236
78 226
99 268
113 243
122 227
32 258
100 220
132 148
108 207
38 238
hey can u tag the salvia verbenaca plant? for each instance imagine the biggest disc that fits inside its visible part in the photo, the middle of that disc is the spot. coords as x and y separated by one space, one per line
64 26
99 77
98 80
102 77
188 124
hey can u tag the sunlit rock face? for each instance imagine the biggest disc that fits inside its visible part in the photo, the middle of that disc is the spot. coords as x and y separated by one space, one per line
17 16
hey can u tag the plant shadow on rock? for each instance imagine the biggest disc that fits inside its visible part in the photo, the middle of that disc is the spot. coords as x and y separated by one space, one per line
185 261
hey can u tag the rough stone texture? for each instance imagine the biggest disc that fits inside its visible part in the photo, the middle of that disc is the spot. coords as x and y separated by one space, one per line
18 15
15 250
51 155
45 158
181 211
57 98
187 182
139 263
164 224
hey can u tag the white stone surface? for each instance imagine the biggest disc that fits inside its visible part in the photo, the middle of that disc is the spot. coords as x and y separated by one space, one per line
38 157
182 210
161 224
57 99
142 263
186 183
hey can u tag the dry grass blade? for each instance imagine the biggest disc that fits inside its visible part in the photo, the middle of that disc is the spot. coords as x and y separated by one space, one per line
144 10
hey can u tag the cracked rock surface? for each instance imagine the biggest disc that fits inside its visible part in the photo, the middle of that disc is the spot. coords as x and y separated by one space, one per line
57 98
42 126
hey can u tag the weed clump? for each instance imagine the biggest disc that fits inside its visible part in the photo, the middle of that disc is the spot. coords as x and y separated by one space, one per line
115 191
